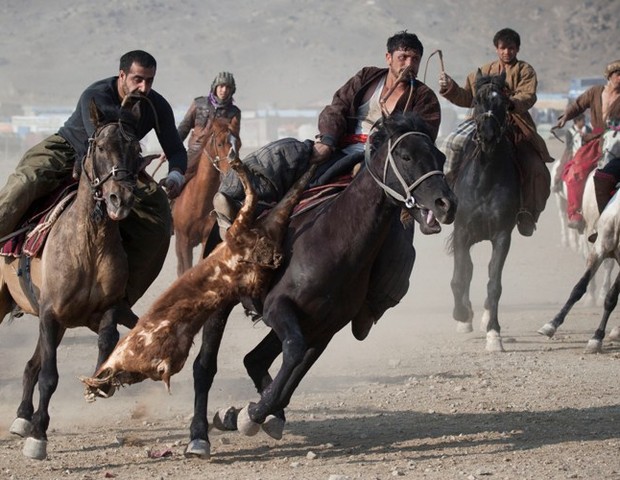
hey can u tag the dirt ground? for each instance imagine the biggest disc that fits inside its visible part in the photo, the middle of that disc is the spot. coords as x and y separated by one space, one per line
415 399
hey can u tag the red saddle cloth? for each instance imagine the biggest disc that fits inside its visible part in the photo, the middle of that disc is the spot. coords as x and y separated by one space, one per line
317 195
40 218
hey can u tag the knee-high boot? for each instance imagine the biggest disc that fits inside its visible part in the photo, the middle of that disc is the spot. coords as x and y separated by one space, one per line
604 185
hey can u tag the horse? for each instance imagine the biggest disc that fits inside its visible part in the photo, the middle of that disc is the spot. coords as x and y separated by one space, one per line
191 209
327 275
488 191
82 272
605 247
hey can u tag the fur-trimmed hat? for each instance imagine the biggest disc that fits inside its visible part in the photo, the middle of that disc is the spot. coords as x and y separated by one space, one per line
611 68
224 78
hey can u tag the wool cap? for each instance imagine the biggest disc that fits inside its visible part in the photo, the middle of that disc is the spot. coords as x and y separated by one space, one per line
224 78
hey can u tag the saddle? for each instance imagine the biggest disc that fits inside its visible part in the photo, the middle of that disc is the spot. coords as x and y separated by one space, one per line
29 238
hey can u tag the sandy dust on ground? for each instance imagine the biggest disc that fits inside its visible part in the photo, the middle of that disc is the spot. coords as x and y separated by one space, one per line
415 399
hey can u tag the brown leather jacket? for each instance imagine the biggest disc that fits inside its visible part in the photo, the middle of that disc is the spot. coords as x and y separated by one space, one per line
340 117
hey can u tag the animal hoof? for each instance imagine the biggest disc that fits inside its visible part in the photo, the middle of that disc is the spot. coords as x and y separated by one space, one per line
594 346
226 419
198 448
273 426
245 424
35 449
464 327
494 342
21 427
547 329
615 334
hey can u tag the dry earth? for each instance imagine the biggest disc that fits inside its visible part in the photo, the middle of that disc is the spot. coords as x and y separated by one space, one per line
415 399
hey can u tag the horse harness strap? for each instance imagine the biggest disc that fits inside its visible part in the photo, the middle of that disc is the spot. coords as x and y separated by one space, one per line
409 200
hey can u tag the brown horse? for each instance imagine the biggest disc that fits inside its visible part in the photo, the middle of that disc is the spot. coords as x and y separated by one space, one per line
80 278
191 210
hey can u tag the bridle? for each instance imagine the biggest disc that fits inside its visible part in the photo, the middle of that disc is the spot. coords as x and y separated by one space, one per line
501 126
407 198
96 180
232 153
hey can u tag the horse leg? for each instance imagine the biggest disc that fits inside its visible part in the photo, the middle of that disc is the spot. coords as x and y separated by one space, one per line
257 363
22 425
184 253
294 349
204 370
490 320
595 344
273 425
594 262
461 280
50 335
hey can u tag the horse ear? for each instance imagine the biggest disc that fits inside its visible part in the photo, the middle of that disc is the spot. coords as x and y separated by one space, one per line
478 74
95 113
503 75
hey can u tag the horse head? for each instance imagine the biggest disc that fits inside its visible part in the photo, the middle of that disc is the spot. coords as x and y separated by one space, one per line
490 110
222 143
408 166
111 164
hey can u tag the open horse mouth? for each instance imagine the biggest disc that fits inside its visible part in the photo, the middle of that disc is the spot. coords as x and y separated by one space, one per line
427 220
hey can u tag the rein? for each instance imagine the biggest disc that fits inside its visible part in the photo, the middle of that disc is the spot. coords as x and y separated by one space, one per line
408 199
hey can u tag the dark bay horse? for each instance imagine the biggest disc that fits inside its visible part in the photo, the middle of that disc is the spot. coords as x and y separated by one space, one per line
326 278
81 275
191 209
487 186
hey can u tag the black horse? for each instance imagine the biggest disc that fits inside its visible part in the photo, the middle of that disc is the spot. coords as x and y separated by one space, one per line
488 190
328 275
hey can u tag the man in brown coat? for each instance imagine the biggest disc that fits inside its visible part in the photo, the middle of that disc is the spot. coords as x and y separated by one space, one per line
532 151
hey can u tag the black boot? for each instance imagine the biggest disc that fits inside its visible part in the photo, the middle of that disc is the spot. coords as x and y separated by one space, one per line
604 186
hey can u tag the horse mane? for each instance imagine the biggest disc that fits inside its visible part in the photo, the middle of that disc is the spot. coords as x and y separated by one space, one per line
398 123
497 81
192 167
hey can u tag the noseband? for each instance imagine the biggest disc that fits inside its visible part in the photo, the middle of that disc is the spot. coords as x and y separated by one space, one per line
408 198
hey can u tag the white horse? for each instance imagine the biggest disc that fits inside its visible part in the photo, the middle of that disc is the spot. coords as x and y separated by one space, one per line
607 245
578 242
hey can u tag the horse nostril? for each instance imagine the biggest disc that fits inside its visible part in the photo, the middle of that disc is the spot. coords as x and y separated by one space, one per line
115 200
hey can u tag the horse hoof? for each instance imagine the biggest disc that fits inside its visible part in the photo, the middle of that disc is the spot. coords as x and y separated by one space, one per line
21 427
464 327
547 329
273 426
35 449
226 419
198 448
494 342
594 346
245 424
614 334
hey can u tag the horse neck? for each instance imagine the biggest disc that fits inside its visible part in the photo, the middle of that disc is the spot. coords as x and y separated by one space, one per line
487 167
366 208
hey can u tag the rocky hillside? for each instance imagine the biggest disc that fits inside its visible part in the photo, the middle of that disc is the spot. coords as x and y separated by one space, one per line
285 53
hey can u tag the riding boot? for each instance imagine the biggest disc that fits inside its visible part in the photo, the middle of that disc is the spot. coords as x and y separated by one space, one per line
604 185
225 212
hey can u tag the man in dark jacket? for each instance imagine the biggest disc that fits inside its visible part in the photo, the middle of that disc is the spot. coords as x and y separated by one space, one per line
48 165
